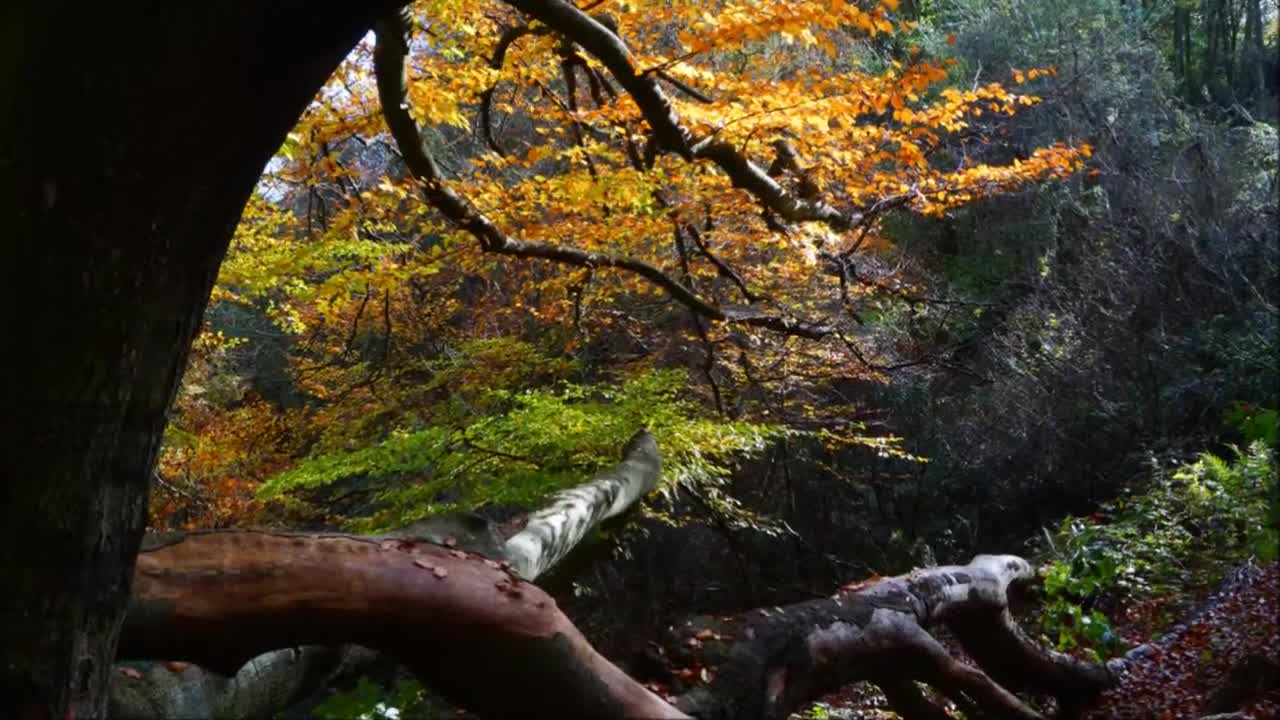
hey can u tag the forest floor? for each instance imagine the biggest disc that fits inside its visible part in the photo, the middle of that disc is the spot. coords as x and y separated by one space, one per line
1223 658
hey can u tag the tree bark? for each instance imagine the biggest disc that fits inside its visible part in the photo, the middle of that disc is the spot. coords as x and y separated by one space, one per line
781 658
275 680
132 136
556 529
466 625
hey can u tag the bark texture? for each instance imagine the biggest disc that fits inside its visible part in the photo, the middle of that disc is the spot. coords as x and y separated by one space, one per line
463 623
277 679
557 528
781 658
130 136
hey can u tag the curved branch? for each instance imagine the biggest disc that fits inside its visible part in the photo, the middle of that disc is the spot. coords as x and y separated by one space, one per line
877 630
609 49
598 40
277 679
562 523
722 268
460 622
496 61
389 56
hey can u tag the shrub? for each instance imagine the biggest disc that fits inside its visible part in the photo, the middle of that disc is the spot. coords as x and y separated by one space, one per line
1172 541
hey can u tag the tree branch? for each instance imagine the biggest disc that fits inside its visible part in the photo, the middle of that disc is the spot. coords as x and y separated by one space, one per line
781 658
389 56
670 136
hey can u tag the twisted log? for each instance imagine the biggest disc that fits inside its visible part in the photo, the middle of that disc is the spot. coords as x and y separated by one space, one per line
781 658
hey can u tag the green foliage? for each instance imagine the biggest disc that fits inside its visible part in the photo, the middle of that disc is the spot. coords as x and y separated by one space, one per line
401 454
819 711
482 374
542 441
1173 540
370 700
1065 620
1255 424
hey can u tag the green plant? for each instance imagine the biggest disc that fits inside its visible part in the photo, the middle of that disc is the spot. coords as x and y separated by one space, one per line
540 442
1067 620
370 700
819 711
1173 540
1253 423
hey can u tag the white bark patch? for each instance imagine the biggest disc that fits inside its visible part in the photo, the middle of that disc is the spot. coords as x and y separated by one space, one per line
554 530
775 685
844 642
984 581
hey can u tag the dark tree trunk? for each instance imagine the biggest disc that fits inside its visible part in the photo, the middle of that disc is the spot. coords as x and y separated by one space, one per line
130 138
1254 60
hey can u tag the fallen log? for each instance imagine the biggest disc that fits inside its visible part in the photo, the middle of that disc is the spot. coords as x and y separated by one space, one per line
472 628
264 684
781 658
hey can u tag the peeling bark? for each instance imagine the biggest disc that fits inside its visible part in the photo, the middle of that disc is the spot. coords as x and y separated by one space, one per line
280 678
461 622
556 529
782 658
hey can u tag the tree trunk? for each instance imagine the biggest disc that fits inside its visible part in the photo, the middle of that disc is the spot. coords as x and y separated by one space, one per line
468 626
277 679
1255 54
132 137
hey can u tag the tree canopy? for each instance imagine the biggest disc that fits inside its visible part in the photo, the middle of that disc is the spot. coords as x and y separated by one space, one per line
534 195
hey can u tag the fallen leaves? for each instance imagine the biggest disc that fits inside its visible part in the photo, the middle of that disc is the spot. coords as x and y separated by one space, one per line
1177 681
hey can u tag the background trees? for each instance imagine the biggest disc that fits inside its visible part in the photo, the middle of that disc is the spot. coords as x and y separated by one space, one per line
388 285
